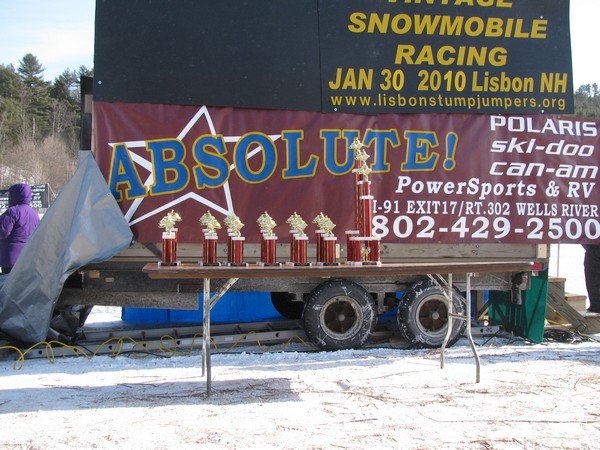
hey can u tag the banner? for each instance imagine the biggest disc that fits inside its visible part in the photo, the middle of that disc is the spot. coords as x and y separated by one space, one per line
489 56
445 178
352 56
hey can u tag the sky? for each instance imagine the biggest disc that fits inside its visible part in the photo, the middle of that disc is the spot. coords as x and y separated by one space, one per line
60 33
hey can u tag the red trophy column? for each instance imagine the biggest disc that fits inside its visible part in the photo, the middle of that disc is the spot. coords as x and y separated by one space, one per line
210 240
268 240
326 242
298 241
364 248
169 239
235 241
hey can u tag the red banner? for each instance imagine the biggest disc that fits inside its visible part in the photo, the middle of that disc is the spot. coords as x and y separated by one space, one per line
435 178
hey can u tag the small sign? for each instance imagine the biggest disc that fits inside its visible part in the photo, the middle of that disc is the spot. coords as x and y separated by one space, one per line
39 198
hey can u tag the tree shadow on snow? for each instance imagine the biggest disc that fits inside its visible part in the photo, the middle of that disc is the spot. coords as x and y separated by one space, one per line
143 394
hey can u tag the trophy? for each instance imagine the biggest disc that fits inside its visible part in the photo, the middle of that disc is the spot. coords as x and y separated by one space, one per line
362 246
210 240
268 242
169 239
235 242
298 241
326 241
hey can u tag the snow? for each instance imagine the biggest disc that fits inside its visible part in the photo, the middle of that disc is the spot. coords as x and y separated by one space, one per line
531 396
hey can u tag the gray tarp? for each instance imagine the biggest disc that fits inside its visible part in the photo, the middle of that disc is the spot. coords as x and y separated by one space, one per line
83 225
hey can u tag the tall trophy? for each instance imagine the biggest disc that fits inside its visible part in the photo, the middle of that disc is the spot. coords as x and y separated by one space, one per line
169 239
235 241
268 240
210 240
326 241
363 247
298 241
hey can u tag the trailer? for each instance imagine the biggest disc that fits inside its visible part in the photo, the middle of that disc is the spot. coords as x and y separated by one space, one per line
474 170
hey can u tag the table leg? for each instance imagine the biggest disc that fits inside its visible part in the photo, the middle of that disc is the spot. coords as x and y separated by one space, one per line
206 336
469 334
449 302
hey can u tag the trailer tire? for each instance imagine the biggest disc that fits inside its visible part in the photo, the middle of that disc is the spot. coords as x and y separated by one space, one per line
284 304
339 314
423 316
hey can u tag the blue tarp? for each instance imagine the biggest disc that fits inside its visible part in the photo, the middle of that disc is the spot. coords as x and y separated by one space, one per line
82 226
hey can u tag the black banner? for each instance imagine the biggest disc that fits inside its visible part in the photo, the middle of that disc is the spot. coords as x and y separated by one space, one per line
257 53
352 56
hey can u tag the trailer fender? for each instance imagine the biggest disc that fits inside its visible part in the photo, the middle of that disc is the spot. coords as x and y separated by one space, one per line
285 303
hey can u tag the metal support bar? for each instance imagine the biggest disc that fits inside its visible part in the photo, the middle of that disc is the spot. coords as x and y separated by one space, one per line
448 294
206 330
448 297
469 334
209 302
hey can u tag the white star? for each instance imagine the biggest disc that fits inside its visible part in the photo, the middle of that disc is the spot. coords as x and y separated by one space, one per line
146 164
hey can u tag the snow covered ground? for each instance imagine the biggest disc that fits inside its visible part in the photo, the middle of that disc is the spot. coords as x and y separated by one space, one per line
542 396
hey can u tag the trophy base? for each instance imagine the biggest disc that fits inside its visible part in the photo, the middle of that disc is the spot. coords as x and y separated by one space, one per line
169 264
365 263
204 264
264 264
297 264
326 264
243 264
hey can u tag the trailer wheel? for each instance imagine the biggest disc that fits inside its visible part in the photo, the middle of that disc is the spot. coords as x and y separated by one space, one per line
285 305
423 316
339 314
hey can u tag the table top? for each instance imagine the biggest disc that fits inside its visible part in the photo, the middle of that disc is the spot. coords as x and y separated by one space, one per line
252 270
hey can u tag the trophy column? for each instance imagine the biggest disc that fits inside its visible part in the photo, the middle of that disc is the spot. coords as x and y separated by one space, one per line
326 241
169 248
363 247
210 240
169 239
235 242
298 241
268 241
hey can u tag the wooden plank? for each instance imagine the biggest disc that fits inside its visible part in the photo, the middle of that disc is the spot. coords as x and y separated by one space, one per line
195 271
580 323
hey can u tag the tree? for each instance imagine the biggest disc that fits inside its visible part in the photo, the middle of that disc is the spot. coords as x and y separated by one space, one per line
587 101
37 107
10 94
65 106
10 83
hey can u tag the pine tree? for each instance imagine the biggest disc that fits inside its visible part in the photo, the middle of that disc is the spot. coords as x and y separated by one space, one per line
35 98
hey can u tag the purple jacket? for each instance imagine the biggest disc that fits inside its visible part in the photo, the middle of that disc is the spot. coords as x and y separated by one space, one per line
16 224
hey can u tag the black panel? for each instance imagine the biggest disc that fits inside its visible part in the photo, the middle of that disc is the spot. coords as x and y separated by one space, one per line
255 53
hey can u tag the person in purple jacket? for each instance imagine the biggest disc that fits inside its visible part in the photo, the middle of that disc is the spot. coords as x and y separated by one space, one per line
16 225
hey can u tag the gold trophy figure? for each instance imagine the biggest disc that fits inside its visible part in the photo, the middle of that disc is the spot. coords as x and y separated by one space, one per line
210 223
297 224
360 157
234 224
266 224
